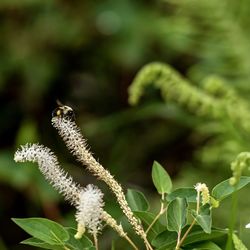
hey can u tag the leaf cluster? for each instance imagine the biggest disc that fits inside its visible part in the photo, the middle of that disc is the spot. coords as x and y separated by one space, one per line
169 229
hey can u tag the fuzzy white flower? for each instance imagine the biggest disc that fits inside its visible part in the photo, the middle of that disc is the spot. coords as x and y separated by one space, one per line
198 187
49 166
248 225
89 210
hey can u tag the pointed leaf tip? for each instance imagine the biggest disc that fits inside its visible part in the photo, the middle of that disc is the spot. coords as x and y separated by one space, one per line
43 229
161 179
136 200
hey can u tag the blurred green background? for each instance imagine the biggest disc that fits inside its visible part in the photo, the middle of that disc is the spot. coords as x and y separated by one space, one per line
86 54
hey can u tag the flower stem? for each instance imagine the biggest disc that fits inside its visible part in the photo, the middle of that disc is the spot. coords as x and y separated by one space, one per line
184 236
234 208
162 210
131 242
178 237
95 241
191 225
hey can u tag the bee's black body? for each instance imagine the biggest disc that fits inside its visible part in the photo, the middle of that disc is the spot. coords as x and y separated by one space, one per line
63 111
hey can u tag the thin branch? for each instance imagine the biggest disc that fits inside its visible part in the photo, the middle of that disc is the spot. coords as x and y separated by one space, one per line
131 242
95 241
185 235
178 238
162 211
191 225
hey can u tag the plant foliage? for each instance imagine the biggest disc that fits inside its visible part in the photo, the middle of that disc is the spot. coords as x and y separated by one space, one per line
177 232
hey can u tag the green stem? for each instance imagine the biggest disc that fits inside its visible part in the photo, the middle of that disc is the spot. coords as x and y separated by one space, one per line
232 221
162 210
178 245
184 236
178 239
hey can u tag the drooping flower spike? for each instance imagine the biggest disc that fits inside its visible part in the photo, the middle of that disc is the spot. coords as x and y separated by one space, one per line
62 182
75 142
50 168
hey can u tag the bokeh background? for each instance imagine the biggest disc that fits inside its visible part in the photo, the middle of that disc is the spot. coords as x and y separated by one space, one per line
86 54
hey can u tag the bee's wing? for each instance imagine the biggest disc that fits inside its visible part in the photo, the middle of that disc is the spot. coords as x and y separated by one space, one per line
59 103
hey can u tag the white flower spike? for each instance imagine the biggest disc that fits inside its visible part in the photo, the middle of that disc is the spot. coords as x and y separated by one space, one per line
49 166
203 189
75 142
61 181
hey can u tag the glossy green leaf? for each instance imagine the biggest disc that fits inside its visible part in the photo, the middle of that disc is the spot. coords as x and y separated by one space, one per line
75 244
204 218
224 189
44 230
136 200
83 243
161 179
201 236
176 214
188 193
38 243
164 238
204 246
167 239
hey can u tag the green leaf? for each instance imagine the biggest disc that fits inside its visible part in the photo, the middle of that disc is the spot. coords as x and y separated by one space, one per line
161 179
166 240
204 246
201 236
83 243
224 189
188 193
204 218
41 244
238 244
176 214
75 244
44 230
136 200
147 218
38 243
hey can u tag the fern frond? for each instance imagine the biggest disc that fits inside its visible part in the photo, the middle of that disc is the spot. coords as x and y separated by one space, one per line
174 88
216 100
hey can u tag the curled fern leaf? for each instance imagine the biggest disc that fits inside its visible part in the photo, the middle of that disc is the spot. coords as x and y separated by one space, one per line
174 88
